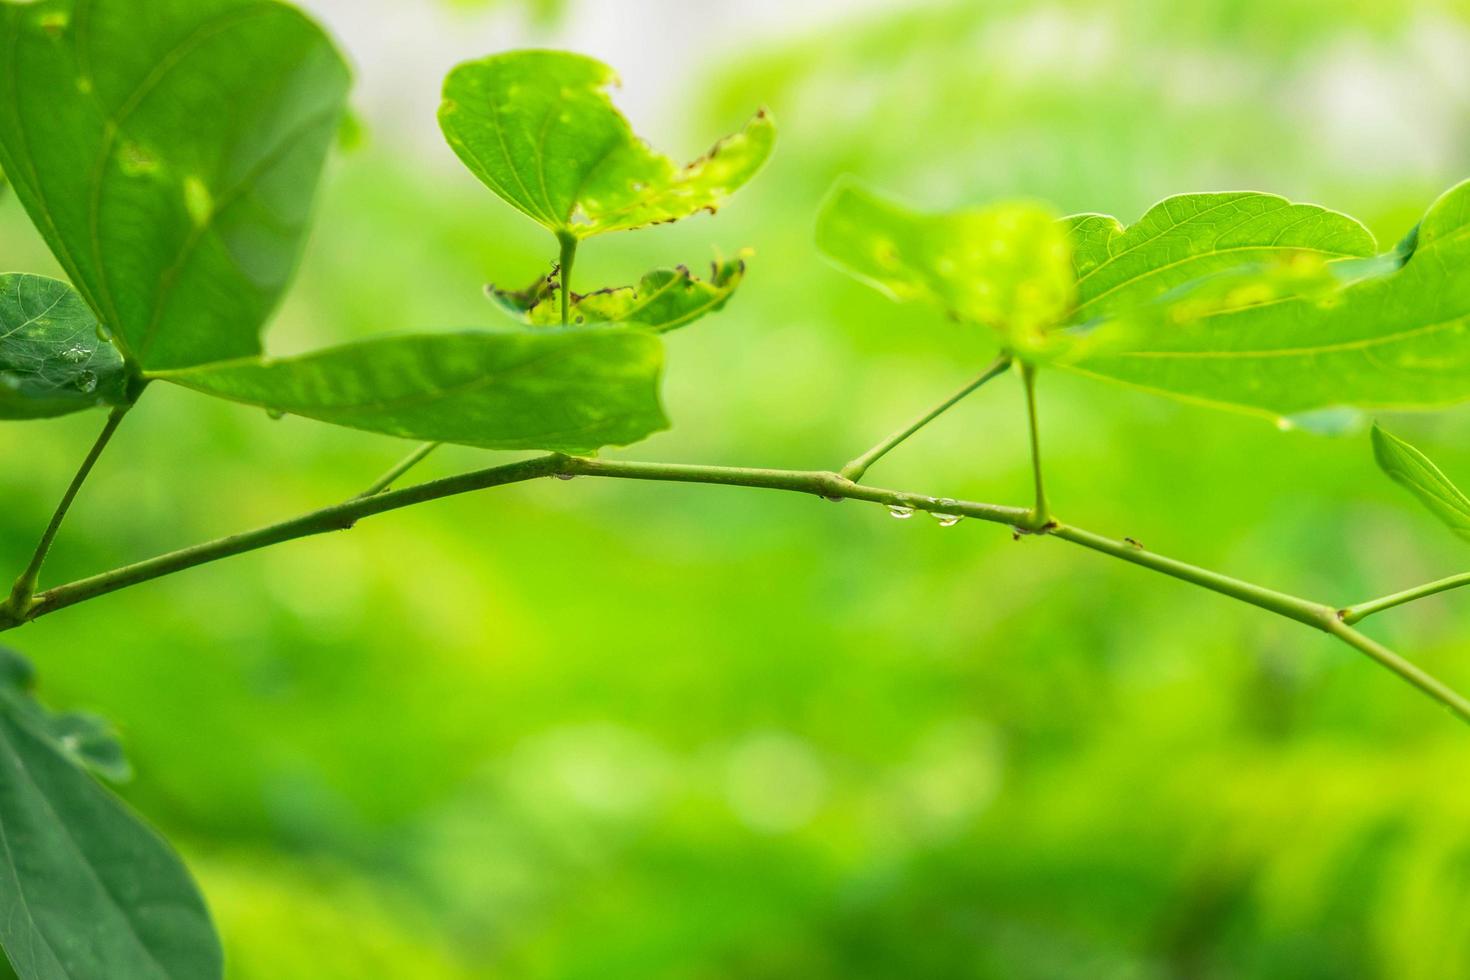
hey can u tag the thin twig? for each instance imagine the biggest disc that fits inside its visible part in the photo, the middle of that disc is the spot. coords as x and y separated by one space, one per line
1362 610
856 469
25 585
386 481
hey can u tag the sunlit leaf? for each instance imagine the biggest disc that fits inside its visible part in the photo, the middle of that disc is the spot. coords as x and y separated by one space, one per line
1416 472
538 128
89 891
1395 336
1193 236
1007 266
169 152
663 300
573 390
52 361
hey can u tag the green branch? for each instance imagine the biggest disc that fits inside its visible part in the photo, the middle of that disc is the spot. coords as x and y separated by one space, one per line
812 482
856 469
18 604
1361 611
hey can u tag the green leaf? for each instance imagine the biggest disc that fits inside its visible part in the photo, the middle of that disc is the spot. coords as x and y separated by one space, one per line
663 300
1394 337
1192 236
538 128
1414 471
52 361
571 390
1007 266
89 891
169 151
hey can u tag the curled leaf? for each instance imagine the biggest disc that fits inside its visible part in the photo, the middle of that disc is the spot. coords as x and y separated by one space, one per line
663 300
538 128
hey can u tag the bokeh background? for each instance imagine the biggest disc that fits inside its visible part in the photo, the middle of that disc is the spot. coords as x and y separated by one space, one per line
599 730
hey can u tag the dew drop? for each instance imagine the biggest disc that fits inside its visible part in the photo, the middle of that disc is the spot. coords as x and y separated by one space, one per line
947 520
275 414
87 382
564 476
74 355
899 512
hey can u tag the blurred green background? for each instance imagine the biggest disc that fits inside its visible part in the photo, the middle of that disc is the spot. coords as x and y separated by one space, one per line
601 730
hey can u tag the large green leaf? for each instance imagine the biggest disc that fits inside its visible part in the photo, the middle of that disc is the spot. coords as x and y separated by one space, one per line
663 300
52 360
1395 336
169 152
539 129
1007 266
89 892
1191 236
572 390
1416 472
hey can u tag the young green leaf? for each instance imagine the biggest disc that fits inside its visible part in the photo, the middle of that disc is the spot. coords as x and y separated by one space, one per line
52 360
169 152
663 300
571 390
90 892
1007 266
1394 337
538 128
1416 472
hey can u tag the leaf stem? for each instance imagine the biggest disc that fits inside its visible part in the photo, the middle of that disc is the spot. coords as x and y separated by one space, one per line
386 481
1040 512
568 257
24 589
857 468
1357 613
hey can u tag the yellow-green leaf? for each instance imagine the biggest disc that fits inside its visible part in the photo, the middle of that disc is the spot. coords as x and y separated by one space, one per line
538 128
1007 266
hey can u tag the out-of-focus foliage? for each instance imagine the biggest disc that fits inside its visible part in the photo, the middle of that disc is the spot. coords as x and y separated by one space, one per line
627 731
1416 472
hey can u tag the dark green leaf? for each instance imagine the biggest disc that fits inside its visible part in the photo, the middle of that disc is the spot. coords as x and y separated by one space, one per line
572 390
52 360
663 300
1414 471
89 891
1395 336
169 152
1007 266
538 128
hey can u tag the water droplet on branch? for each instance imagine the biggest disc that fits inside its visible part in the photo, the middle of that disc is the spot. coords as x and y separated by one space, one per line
899 512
